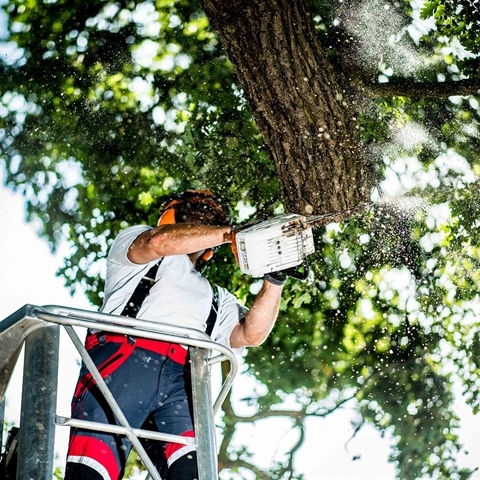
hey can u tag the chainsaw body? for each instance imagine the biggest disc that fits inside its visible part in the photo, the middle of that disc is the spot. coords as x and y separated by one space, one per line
273 245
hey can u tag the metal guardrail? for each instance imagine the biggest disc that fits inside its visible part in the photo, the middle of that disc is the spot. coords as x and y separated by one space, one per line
38 328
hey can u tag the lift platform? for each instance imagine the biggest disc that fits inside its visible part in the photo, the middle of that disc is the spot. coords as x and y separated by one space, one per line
37 328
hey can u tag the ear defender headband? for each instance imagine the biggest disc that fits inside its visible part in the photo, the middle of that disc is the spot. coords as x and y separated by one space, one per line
203 198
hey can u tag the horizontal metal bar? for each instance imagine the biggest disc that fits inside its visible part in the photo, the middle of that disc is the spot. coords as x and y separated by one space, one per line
144 325
119 430
137 332
218 359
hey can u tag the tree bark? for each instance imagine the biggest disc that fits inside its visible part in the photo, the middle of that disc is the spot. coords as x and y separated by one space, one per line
308 125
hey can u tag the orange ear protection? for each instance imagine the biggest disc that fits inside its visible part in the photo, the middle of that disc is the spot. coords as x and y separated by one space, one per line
168 216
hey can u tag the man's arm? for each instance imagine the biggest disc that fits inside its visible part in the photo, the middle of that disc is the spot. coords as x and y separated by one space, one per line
176 239
255 328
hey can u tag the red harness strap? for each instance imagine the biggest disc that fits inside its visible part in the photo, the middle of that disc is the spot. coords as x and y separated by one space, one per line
175 352
105 369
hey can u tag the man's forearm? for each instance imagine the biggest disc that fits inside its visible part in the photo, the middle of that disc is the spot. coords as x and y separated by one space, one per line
176 239
260 318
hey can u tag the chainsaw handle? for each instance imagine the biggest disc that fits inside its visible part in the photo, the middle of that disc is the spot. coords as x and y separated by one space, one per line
296 272
233 245
233 234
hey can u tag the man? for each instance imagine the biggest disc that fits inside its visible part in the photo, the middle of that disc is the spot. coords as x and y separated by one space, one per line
147 378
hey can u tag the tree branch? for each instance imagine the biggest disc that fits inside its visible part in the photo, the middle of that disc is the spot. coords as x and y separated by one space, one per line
354 434
240 463
297 446
297 415
327 411
263 414
226 462
409 88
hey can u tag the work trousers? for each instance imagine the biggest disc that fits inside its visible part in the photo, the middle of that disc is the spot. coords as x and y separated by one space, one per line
150 382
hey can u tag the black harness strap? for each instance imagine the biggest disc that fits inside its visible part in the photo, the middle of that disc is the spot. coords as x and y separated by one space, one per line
212 317
140 293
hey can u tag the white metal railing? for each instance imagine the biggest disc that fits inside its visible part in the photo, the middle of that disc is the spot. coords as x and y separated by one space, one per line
38 327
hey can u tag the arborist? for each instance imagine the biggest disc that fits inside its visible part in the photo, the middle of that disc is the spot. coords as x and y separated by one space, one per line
152 274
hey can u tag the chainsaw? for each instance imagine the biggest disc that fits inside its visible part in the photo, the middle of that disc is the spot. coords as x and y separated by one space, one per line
281 243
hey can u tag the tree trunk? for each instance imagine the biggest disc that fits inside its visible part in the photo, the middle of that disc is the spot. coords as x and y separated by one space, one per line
307 124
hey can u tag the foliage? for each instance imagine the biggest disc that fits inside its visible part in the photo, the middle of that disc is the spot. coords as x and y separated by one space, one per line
107 107
456 19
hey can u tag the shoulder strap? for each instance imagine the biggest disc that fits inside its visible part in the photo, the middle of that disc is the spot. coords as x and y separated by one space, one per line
141 291
212 317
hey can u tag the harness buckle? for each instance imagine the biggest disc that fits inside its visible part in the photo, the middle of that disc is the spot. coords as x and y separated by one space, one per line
150 279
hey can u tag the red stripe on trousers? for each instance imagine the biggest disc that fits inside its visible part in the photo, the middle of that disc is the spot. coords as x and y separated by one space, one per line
173 447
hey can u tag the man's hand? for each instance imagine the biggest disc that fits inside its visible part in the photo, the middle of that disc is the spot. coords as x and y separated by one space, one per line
300 272
277 278
233 233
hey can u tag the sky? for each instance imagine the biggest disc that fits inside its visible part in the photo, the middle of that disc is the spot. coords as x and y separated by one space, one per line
28 277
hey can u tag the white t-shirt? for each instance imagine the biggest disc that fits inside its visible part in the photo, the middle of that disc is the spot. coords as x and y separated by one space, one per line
180 295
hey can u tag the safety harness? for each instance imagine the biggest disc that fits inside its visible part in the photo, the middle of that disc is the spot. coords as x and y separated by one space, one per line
141 291
176 353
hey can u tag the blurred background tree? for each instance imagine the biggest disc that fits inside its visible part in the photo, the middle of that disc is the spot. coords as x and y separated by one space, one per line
108 107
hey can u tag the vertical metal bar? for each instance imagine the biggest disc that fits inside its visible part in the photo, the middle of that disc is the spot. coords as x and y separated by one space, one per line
39 403
2 420
203 415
